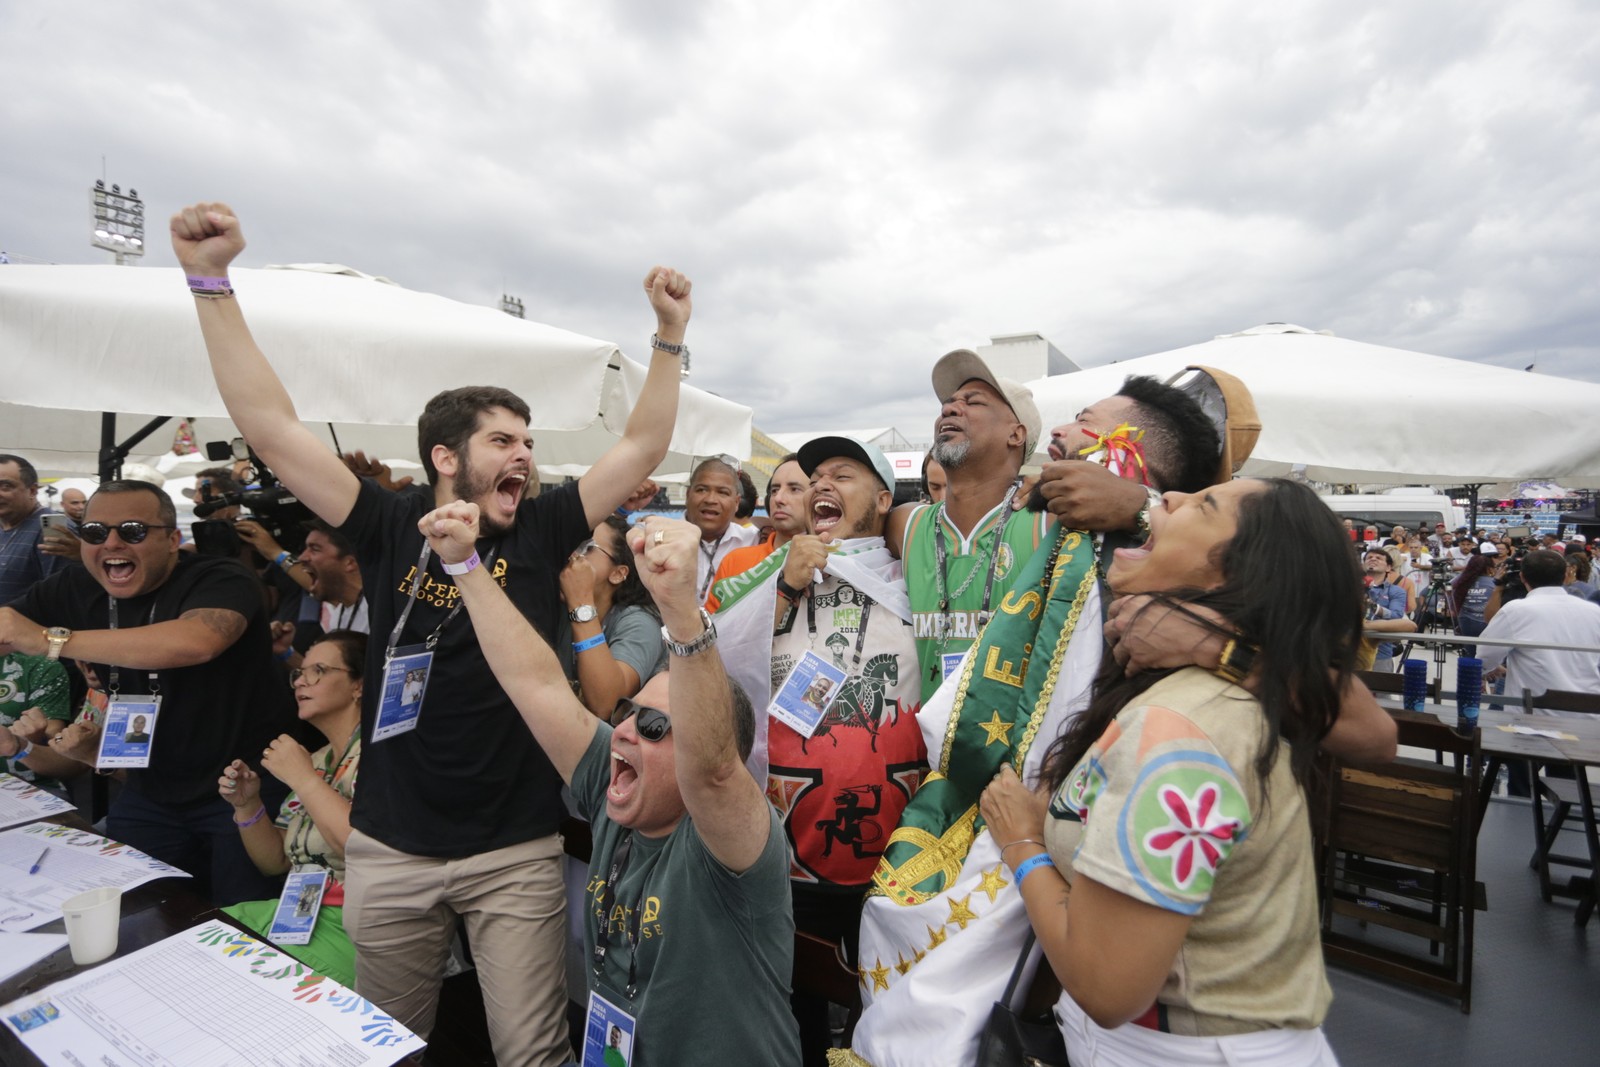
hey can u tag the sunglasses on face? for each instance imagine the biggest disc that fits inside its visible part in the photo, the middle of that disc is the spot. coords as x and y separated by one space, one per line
131 532
314 673
653 724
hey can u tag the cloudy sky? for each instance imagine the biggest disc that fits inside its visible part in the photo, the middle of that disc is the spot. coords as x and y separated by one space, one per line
858 187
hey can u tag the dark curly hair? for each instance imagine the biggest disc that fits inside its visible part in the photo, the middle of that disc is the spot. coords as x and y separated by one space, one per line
632 592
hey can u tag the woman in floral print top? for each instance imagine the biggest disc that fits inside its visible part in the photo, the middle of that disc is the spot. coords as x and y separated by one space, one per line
1166 862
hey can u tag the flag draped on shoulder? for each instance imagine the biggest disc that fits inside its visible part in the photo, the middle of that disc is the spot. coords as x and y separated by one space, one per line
747 602
942 925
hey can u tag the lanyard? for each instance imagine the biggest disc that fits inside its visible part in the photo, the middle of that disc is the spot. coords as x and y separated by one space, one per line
116 672
416 584
861 632
986 564
711 563
619 867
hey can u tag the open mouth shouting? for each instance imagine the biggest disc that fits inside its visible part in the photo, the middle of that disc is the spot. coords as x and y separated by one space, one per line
121 571
624 779
826 514
508 491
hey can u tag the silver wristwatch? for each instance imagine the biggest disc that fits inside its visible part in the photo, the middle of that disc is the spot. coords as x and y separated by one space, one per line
583 613
707 638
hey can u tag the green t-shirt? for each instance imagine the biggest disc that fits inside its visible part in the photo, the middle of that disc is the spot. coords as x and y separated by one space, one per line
32 682
716 949
1018 535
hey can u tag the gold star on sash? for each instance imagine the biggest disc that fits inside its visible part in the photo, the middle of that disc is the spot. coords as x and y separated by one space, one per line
997 730
961 912
935 937
917 955
880 977
904 965
993 882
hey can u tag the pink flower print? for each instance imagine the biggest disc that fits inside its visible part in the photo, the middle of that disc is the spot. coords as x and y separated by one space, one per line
1197 835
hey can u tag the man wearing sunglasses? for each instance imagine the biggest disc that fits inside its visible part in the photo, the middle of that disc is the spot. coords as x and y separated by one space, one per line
457 812
687 895
153 620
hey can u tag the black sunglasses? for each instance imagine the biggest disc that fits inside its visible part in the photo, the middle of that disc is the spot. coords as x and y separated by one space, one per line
131 532
653 724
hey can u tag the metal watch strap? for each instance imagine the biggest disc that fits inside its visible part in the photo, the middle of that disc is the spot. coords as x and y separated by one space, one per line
668 347
707 638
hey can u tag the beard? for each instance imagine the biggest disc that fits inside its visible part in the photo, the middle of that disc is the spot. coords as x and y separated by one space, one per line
950 454
473 483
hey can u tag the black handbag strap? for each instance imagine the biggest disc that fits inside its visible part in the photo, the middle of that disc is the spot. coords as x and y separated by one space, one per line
1008 999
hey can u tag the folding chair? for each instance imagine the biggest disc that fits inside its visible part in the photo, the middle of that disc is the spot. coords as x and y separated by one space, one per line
1564 793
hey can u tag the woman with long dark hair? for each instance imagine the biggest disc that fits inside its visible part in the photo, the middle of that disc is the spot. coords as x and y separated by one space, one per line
613 640
1470 592
1167 863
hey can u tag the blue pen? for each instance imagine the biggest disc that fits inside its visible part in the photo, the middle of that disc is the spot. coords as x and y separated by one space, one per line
35 868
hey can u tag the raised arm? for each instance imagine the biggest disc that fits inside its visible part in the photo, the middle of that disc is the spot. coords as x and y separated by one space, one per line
207 238
730 812
522 663
616 474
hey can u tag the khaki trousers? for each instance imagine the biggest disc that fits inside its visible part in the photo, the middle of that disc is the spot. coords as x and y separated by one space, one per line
400 911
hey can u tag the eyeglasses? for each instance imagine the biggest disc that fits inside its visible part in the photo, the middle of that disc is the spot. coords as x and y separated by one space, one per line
584 548
316 672
131 532
653 724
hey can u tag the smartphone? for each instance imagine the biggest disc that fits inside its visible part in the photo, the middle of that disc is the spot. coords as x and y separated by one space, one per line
52 521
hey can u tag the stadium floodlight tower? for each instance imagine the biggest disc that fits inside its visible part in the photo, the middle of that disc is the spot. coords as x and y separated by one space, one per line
118 221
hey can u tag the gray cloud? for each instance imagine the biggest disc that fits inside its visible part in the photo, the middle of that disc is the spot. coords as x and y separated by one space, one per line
857 189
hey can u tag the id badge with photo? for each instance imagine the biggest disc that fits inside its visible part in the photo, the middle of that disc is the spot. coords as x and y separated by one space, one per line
951 662
405 679
806 694
607 1034
296 915
128 733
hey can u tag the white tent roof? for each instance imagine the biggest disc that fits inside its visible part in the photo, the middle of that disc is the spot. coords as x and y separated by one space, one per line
1354 412
356 351
882 436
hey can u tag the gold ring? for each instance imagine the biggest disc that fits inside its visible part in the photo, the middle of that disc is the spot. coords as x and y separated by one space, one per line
660 536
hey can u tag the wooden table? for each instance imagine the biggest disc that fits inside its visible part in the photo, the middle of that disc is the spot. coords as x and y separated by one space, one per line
1499 745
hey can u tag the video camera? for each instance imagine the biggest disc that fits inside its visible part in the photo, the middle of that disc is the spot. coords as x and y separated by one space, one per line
268 501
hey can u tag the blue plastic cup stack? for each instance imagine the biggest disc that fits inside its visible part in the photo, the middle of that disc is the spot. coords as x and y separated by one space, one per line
1469 693
1415 693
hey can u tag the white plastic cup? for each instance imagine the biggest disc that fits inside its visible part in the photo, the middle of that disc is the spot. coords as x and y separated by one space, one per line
92 919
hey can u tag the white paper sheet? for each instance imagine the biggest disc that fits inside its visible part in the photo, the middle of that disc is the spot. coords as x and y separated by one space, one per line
208 997
74 861
22 802
18 952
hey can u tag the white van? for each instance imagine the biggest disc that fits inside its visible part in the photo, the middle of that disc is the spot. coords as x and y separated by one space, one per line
1411 507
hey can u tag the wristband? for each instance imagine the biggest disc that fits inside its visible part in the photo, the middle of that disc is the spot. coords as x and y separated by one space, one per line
262 810
284 561
1026 867
211 288
284 656
787 591
468 564
22 753
589 642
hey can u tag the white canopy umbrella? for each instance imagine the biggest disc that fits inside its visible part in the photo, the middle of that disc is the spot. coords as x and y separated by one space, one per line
1353 412
355 351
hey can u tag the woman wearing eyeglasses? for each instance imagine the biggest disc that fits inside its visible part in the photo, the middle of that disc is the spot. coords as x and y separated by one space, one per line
314 821
614 641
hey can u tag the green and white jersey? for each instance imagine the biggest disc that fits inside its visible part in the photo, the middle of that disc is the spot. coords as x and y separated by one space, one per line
949 605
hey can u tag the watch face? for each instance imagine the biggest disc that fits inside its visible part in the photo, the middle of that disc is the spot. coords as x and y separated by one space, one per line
584 614
59 633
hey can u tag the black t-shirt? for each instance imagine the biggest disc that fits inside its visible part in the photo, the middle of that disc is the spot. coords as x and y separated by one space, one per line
469 778
211 713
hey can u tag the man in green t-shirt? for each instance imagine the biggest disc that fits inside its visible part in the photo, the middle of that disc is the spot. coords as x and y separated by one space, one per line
30 682
687 896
